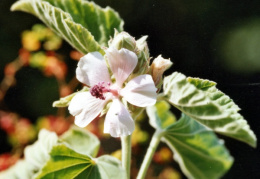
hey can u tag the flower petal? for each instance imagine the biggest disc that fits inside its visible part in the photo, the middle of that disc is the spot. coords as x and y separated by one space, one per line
140 91
86 108
118 120
122 63
92 69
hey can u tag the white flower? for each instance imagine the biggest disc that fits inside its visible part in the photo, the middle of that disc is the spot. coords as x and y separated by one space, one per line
92 71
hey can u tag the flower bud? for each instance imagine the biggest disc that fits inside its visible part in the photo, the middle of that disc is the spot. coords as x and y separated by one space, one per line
143 56
139 47
158 67
123 40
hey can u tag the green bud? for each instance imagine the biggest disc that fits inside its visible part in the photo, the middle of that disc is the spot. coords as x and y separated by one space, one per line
143 50
122 40
139 47
142 53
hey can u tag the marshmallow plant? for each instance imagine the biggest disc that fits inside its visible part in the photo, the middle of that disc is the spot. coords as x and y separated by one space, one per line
121 81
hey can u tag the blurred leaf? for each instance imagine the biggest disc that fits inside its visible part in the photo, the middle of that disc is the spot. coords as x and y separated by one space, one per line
37 154
20 170
83 24
66 163
160 115
238 46
197 149
208 106
81 141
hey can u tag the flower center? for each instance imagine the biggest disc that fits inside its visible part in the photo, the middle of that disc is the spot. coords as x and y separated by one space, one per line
99 90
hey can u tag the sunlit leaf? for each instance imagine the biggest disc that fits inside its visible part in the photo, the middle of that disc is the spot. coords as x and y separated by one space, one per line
208 106
160 116
198 151
83 24
201 83
196 148
66 163
81 141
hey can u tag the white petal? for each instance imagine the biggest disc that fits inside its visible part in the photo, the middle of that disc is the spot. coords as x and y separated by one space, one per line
140 91
122 63
92 69
85 108
118 120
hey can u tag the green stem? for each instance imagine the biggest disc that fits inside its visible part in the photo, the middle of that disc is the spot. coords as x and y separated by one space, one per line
126 154
149 154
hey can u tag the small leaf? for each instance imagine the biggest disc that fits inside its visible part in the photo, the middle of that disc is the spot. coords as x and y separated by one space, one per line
65 101
197 149
81 141
83 24
200 83
202 101
66 163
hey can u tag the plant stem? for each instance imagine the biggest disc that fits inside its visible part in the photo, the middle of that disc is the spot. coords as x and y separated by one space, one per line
149 154
126 154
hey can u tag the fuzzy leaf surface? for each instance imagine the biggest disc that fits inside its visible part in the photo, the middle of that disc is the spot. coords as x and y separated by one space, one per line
202 101
85 25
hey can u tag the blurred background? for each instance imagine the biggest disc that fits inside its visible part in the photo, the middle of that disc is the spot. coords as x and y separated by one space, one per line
215 39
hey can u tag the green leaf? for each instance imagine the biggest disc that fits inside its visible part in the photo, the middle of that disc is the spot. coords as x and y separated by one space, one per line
81 141
83 24
202 101
160 116
197 149
200 83
66 163
65 101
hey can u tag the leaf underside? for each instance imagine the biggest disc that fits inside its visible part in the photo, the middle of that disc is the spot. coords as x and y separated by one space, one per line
83 24
202 101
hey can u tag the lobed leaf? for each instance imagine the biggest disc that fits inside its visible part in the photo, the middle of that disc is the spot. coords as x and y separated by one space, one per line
202 101
83 24
66 163
81 141
196 148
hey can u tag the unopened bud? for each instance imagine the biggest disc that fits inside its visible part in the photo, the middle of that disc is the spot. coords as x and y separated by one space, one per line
142 47
142 53
123 40
158 67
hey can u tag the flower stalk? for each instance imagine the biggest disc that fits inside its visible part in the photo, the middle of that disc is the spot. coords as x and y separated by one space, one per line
126 154
149 154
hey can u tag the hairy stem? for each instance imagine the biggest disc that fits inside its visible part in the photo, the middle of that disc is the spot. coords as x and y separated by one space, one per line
149 154
126 154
